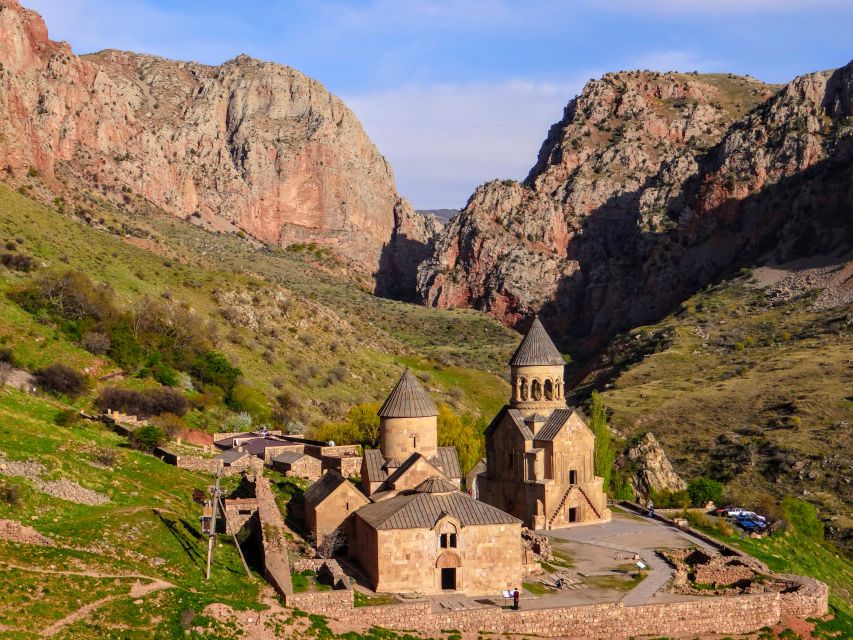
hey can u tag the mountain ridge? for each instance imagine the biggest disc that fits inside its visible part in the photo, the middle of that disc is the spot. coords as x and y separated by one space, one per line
245 146
620 217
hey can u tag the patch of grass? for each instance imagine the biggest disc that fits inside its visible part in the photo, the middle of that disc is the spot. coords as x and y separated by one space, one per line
363 600
538 589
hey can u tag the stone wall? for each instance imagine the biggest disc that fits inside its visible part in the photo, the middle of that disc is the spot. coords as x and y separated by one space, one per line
337 601
274 544
732 615
210 465
347 466
811 600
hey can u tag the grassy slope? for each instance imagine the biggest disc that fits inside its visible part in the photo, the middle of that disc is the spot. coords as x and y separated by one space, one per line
740 388
329 319
150 515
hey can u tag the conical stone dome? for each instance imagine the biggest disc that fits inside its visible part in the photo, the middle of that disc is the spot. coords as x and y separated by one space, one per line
537 349
408 399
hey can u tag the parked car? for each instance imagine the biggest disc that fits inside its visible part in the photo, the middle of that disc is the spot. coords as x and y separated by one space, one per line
751 524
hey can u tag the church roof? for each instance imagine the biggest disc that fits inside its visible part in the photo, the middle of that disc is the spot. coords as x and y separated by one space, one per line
323 488
413 510
517 419
435 485
536 348
408 400
448 460
555 423
373 463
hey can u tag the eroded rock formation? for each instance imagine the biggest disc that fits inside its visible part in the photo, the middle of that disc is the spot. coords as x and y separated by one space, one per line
650 469
651 186
252 144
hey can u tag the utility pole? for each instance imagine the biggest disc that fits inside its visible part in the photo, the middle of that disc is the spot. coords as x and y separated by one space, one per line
208 523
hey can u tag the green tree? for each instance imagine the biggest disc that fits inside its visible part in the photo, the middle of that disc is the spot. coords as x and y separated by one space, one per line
147 438
462 433
704 490
605 454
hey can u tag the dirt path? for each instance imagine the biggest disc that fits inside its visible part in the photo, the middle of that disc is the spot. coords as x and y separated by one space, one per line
137 590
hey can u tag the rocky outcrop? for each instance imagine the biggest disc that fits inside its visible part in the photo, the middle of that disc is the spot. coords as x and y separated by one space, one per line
650 469
246 145
651 186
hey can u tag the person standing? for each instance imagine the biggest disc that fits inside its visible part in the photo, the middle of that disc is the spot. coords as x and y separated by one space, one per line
515 596
651 508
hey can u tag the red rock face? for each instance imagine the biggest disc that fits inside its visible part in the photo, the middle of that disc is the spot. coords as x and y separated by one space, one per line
254 144
650 186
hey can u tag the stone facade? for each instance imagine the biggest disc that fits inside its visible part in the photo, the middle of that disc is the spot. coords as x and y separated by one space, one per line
401 437
307 467
333 510
348 466
486 558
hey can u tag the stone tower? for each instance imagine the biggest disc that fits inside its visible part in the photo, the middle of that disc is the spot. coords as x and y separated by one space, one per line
536 374
408 422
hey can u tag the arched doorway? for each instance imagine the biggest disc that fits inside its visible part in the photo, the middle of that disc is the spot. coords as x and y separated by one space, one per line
448 565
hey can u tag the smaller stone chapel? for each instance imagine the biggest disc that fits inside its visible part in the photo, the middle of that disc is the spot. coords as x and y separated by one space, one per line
410 528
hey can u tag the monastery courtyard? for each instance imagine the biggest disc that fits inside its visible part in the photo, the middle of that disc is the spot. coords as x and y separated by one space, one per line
602 558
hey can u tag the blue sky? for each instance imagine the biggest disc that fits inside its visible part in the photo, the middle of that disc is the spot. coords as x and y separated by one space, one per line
457 92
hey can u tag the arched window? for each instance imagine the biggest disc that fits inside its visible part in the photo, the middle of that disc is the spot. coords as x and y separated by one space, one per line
558 389
524 389
536 389
447 536
549 389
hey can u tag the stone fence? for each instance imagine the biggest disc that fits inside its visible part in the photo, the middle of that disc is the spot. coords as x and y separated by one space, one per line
274 545
719 615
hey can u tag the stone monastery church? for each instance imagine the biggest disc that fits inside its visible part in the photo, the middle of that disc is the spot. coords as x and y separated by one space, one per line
412 530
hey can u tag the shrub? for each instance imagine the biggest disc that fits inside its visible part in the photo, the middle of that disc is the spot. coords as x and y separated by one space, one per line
18 261
144 404
70 295
212 367
6 355
239 422
250 400
172 425
60 378
666 499
802 516
10 494
96 342
104 456
67 418
604 454
147 438
704 490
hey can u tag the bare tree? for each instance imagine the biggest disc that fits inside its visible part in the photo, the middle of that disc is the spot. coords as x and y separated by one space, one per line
331 543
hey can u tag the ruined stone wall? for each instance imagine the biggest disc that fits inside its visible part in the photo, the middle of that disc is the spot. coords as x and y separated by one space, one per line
337 600
274 544
347 466
811 600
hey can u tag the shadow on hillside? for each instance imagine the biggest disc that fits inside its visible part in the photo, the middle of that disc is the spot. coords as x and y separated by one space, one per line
628 278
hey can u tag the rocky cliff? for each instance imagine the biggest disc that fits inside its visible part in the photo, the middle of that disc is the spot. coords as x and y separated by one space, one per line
246 145
651 186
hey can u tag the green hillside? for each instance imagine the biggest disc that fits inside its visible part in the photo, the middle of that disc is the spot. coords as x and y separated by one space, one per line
294 321
744 388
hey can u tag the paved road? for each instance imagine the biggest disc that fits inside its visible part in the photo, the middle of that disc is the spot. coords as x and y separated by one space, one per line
634 536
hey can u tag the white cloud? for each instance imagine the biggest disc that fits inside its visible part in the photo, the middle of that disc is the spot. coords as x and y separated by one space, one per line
444 140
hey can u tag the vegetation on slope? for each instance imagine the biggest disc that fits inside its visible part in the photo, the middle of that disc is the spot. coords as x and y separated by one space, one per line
739 386
300 341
